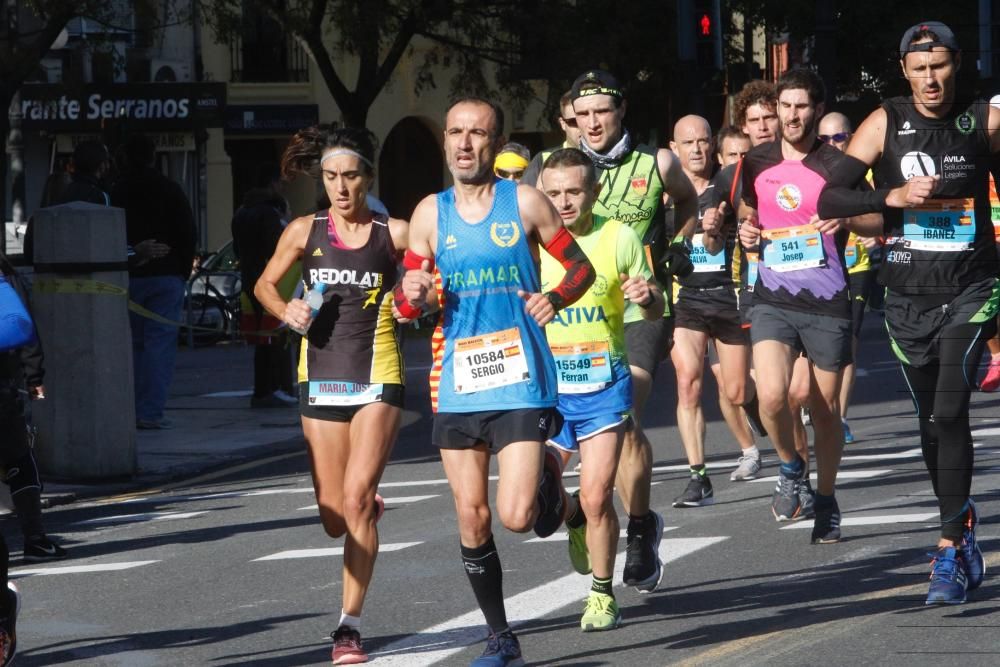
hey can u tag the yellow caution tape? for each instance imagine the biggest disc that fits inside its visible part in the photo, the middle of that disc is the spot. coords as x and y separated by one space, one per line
81 286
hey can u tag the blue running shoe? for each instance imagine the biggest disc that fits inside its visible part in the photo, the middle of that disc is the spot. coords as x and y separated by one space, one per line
848 436
502 650
948 579
975 564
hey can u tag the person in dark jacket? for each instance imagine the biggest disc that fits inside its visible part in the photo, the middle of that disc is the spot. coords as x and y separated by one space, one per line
158 218
257 226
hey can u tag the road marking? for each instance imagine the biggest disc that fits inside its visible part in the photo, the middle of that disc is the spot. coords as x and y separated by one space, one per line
331 551
914 453
875 520
459 632
842 475
398 500
143 516
77 569
563 537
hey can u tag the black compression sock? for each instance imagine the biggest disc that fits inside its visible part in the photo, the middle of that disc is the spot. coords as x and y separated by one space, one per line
699 470
482 565
602 586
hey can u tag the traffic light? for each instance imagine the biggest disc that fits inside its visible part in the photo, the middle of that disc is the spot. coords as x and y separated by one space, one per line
699 34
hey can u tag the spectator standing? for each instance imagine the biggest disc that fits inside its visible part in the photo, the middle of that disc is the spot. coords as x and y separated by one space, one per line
160 226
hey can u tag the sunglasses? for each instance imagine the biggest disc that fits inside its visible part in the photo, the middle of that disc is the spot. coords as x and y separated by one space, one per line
571 122
510 175
835 138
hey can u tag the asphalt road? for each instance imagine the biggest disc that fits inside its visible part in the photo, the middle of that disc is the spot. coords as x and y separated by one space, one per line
224 570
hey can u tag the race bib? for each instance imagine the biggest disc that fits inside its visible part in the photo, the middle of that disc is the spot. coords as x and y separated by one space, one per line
753 265
793 248
940 225
705 262
851 255
582 367
336 392
489 361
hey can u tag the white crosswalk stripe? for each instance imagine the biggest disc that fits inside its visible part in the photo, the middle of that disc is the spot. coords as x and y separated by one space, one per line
77 569
142 516
841 476
397 500
872 520
331 551
455 634
564 536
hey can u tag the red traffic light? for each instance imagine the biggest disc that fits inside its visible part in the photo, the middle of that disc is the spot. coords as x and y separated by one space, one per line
705 25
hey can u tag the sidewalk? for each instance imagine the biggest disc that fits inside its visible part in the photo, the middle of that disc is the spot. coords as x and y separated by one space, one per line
213 426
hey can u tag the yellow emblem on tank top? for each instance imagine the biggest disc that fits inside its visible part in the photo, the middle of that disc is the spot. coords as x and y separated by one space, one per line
505 234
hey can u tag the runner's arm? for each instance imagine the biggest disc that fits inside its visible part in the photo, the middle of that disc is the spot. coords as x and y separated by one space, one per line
841 198
296 312
994 129
677 186
538 215
415 289
637 282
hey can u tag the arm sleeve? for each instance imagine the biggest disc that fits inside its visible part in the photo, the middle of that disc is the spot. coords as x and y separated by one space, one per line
579 271
847 194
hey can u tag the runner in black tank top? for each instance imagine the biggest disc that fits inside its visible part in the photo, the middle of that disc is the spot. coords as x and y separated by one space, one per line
930 155
351 373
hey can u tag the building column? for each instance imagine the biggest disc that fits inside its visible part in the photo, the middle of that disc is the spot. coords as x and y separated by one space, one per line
219 176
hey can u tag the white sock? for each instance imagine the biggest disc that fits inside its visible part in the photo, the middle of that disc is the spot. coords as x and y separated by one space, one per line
353 622
752 451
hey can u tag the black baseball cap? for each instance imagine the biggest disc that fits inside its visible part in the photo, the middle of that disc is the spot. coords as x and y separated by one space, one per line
945 38
596 82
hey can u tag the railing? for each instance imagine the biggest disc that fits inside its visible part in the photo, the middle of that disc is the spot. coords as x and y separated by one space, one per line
278 59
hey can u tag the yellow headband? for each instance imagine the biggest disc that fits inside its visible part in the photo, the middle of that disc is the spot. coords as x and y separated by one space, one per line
509 162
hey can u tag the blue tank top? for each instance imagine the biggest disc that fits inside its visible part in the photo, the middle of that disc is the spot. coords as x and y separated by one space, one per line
495 356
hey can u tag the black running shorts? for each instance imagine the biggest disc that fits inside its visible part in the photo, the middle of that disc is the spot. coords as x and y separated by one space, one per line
495 428
648 342
712 312
861 285
825 340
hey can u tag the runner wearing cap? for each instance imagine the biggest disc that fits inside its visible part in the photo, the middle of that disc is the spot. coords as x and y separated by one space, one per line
930 155
635 184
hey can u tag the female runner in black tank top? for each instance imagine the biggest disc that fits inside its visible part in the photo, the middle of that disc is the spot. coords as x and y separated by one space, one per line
351 371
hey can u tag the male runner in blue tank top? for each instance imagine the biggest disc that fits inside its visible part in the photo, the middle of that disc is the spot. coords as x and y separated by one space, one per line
497 382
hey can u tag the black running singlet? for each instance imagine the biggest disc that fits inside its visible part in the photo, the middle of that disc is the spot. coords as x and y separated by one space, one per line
948 243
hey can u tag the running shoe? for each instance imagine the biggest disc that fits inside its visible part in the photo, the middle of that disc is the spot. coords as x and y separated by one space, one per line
826 527
551 499
698 492
806 417
600 613
972 555
785 504
992 380
8 626
643 568
347 647
747 468
948 578
807 499
848 436
502 650
579 555
41 549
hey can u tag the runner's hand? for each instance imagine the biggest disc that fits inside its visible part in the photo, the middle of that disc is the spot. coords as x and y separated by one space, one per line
869 242
914 192
417 284
538 306
750 231
635 289
831 226
711 222
297 314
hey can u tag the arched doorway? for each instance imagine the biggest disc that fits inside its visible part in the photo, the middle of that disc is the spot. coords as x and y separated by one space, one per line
410 167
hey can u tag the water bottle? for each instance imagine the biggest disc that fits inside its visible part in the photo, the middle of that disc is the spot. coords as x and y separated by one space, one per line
313 299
